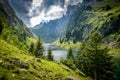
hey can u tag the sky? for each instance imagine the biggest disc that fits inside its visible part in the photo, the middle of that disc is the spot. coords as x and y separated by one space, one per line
33 12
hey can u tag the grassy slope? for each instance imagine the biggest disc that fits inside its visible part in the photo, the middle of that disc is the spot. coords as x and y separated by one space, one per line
16 64
97 18
102 16
19 36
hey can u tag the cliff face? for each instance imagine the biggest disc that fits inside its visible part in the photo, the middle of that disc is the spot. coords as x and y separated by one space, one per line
12 29
50 31
100 15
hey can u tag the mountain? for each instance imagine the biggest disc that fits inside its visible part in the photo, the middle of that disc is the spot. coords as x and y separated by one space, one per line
15 61
50 31
12 29
92 15
95 15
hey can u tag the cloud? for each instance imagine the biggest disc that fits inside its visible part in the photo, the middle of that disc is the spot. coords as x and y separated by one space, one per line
54 12
33 12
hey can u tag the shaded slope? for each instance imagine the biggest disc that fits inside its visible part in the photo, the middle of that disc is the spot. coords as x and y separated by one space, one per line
50 31
12 29
103 15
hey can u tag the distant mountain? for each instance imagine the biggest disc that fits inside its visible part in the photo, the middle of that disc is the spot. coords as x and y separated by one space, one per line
12 29
15 61
50 31
92 15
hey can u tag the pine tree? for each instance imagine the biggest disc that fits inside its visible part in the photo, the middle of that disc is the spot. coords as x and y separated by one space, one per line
50 56
31 49
39 49
94 59
70 54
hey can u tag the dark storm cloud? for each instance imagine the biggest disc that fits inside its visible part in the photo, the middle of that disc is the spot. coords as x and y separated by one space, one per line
33 12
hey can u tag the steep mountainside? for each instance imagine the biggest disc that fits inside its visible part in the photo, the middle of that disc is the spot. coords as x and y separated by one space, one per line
12 29
101 15
15 61
50 31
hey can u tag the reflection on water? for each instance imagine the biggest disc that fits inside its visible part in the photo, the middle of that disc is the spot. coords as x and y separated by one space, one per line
56 51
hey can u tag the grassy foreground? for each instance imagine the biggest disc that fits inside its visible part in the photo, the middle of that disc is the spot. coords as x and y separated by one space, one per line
16 64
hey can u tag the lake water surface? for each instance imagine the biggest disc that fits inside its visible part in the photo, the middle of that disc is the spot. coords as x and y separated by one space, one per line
57 52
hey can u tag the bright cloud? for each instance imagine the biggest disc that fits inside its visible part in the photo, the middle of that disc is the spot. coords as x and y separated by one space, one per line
37 19
33 12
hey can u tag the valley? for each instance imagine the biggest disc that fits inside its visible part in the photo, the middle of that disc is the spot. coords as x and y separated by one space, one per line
60 40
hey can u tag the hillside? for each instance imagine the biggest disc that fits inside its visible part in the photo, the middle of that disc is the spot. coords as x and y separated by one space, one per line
90 55
15 61
51 30
101 15
91 16
12 29
16 64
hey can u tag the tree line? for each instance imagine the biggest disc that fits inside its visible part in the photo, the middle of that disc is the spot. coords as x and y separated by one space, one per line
37 49
92 59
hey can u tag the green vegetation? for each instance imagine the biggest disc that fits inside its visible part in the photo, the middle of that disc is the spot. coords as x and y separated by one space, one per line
50 56
103 16
94 59
16 64
22 56
70 60
39 48
67 45
31 50
70 54
17 36
116 60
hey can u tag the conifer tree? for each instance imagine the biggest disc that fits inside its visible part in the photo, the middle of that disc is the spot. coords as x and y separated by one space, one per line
70 54
39 49
94 59
50 56
31 49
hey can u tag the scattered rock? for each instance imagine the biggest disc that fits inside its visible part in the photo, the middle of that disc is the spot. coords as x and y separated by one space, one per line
35 66
17 72
37 78
32 63
24 65
13 75
49 71
10 66
67 69
23 71
38 60
57 62
15 61
1 61
72 78
24 78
